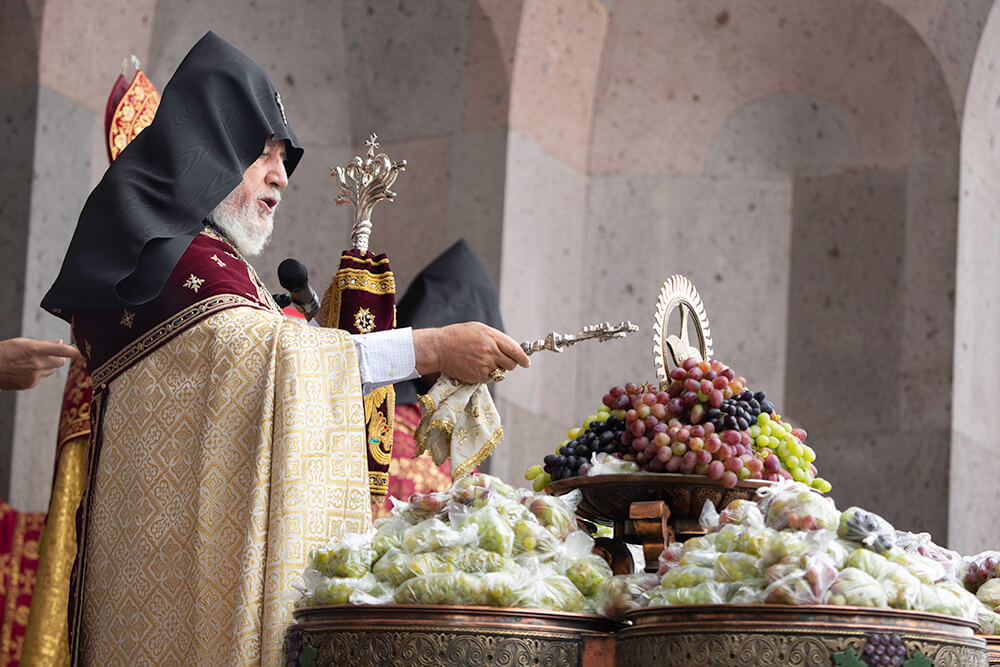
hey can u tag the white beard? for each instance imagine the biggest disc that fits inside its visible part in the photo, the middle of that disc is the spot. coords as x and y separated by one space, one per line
241 224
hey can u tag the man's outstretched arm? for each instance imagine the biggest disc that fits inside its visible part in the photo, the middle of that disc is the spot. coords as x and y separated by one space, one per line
468 352
24 361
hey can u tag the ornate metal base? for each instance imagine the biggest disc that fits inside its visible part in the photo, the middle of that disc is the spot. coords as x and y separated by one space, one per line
433 636
651 509
993 649
774 635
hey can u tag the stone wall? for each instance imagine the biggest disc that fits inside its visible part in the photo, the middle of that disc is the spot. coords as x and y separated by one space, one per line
798 160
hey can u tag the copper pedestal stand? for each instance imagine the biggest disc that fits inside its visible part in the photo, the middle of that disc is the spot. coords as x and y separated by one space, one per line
649 509
772 635
438 636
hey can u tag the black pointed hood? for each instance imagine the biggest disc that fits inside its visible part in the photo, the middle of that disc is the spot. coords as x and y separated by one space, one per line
215 114
453 288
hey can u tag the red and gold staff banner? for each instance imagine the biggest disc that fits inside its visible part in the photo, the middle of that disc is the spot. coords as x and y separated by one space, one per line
362 299
131 113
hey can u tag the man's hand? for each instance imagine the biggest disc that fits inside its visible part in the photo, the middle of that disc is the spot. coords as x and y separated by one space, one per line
23 361
467 352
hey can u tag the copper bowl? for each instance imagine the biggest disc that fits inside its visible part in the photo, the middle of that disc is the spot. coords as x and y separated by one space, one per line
992 648
432 635
773 635
608 497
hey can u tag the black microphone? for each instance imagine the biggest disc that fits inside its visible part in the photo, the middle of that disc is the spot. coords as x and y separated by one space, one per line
294 277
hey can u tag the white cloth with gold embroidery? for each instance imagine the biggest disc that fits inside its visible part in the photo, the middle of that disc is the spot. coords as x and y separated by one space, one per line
227 454
459 421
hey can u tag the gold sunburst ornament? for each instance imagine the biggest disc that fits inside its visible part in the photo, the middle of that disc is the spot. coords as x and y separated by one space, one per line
364 321
679 293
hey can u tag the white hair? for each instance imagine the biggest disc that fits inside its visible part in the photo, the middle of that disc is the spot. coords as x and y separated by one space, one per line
241 223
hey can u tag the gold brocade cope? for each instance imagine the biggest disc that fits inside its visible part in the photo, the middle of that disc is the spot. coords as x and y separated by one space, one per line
226 454
459 422
362 299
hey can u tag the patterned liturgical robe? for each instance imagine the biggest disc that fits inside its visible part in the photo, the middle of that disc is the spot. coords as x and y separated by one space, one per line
226 448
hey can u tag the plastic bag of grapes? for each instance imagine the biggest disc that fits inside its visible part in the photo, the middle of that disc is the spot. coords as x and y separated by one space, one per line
798 581
607 464
492 533
478 487
922 545
394 567
458 588
556 513
698 557
788 504
741 513
686 576
388 533
795 543
925 569
709 517
989 594
422 506
706 592
902 588
736 566
533 541
951 599
622 593
351 557
747 539
503 588
669 558
989 622
475 560
430 563
544 588
338 590
871 563
868 528
857 589
977 570
434 534
588 573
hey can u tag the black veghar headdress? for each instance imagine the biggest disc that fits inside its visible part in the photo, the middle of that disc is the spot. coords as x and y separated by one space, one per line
455 287
215 114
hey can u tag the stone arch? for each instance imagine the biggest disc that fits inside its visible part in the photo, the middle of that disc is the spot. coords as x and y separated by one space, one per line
554 75
704 159
974 423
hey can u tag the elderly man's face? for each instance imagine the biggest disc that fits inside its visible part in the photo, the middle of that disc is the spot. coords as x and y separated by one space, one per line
246 215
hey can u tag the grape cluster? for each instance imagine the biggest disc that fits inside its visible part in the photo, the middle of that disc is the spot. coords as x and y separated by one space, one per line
739 412
703 421
887 650
573 456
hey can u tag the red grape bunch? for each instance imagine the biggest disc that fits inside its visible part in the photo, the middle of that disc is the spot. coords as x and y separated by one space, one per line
705 421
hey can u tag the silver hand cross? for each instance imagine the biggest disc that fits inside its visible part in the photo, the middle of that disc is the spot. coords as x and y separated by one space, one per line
557 342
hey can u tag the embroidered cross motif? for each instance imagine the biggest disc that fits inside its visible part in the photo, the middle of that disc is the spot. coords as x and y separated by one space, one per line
218 261
194 283
281 107
128 319
88 348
